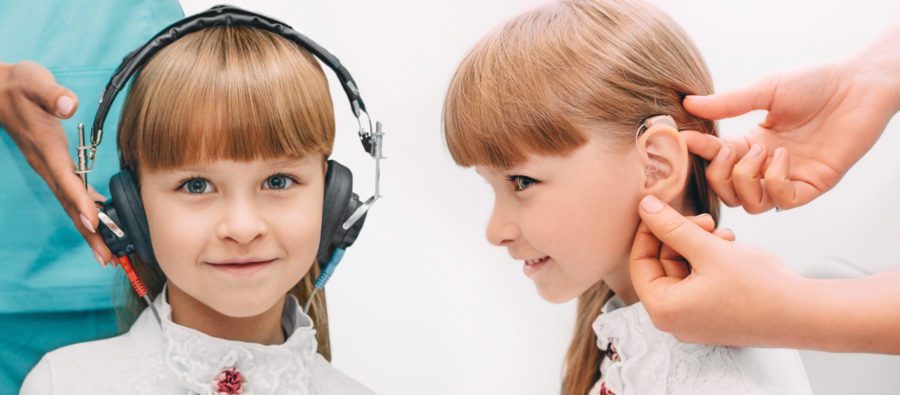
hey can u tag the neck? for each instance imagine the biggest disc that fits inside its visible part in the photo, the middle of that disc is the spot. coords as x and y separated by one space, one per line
264 328
619 281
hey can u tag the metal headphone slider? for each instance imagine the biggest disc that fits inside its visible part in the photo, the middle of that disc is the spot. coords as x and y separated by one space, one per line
86 154
376 141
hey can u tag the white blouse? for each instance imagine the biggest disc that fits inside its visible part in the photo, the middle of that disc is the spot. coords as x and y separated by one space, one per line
640 359
167 358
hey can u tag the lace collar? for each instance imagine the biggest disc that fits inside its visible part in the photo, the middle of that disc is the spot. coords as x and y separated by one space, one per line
198 360
641 359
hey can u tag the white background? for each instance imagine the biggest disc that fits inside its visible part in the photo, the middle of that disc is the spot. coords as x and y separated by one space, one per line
422 304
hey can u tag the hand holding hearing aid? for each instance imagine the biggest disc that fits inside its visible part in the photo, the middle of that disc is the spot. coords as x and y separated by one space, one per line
820 122
31 106
678 272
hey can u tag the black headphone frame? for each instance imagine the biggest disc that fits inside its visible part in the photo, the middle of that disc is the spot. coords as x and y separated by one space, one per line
343 213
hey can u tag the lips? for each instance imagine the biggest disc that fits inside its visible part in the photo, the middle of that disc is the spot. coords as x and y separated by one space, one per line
241 261
532 262
532 266
242 266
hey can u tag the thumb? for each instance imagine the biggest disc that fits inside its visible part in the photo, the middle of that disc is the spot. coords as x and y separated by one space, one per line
729 104
42 89
675 231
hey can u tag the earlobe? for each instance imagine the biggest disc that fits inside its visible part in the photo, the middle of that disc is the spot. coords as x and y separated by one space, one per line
665 159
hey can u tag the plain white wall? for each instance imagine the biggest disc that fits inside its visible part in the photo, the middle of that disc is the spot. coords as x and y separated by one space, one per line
422 303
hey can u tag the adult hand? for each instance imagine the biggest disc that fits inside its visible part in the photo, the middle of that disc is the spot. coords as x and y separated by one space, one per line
729 293
735 294
820 121
31 106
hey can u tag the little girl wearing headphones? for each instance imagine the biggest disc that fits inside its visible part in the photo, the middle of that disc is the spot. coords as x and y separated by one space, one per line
226 132
572 112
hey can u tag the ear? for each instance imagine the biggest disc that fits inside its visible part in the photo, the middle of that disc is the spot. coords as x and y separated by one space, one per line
664 156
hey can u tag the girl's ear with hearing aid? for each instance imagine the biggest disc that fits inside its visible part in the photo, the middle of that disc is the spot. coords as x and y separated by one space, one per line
666 161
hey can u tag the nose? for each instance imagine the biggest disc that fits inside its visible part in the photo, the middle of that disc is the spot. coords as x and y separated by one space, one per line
502 229
242 221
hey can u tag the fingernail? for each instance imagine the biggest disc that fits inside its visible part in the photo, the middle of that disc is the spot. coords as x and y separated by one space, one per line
64 105
99 259
754 151
651 204
724 153
86 223
778 152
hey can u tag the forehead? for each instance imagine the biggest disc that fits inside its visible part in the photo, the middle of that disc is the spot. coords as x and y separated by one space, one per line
230 166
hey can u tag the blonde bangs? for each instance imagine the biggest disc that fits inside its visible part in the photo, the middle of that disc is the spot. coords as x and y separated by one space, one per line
226 93
502 107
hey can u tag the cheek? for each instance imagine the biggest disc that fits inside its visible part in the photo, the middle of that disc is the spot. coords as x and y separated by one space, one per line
179 236
593 226
296 225
178 233
299 232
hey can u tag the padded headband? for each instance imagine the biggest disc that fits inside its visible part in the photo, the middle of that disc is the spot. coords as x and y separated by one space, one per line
222 16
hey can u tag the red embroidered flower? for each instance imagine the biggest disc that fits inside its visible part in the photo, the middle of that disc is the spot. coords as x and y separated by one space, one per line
604 390
229 382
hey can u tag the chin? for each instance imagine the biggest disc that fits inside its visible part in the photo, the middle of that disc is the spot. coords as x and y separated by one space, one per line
238 305
556 296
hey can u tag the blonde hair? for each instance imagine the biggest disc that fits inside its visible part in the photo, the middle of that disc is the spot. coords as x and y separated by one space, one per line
233 93
537 85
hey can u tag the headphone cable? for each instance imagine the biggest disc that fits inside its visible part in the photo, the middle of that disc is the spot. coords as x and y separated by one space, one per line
137 284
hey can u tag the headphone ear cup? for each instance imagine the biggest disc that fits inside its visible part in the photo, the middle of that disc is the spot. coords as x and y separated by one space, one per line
340 202
130 215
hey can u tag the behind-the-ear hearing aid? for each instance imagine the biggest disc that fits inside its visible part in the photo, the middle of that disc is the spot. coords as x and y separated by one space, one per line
656 121
123 222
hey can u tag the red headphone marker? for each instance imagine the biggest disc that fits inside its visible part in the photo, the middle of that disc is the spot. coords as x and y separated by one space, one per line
137 284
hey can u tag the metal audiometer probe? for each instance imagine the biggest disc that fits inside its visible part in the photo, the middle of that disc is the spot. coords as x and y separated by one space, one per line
86 155
373 142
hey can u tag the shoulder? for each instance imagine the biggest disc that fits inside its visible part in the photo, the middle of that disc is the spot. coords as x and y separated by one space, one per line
83 367
773 370
643 350
326 379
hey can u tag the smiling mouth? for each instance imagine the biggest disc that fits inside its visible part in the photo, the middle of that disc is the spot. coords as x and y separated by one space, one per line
532 262
532 266
243 268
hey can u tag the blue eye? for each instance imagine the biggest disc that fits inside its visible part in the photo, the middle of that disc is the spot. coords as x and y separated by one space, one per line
278 181
196 185
521 183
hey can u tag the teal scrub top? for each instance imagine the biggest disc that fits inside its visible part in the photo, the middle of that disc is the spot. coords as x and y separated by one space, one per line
45 264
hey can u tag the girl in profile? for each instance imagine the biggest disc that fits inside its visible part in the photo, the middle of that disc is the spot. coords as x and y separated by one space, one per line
572 113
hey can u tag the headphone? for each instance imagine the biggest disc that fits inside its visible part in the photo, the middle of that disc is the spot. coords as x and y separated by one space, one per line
123 222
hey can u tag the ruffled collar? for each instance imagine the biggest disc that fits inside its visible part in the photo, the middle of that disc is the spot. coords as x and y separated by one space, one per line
200 362
641 359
